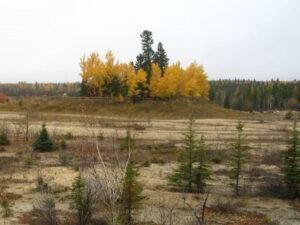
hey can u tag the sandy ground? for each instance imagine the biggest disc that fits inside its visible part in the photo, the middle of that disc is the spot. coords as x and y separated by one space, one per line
262 137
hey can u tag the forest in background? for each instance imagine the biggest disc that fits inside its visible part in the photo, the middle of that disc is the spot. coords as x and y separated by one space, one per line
251 95
244 95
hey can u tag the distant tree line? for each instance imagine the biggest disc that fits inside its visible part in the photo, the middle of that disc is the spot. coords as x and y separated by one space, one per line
246 95
251 95
40 89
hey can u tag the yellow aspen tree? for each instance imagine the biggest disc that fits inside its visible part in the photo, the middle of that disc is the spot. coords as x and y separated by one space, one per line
136 82
171 82
156 80
93 71
111 68
194 82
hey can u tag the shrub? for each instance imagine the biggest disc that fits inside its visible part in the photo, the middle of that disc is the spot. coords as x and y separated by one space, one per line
20 152
42 186
29 161
69 135
272 158
226 206
4 140
66 157
6 208
20 103
44 142
146 163
216 160
3 98
157 160
45 210
289 115
63 144
272 186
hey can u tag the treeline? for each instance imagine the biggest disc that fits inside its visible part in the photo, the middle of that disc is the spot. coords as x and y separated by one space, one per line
150 76
40 89
251 95
245 95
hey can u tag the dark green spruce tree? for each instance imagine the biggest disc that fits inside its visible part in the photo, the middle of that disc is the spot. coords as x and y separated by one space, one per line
160 57
183 175
291 168
4 140
145 59
83 88
80 201
238 159
202 171
132 197
44 141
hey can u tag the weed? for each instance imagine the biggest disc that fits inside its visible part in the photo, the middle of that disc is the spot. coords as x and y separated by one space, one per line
6 208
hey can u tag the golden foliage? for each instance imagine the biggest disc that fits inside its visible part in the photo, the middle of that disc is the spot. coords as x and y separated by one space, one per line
98 74
176 81
194 82
135 80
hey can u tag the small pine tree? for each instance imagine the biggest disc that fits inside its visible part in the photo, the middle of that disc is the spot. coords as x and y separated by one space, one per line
202 172
291 169
183 175
80 201
238 159
128 142
132 198
4 140
44 142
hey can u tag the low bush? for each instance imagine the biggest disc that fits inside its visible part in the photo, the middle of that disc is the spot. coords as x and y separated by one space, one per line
69 135
272 186
289 115
226 206
6 208
63 144
4 140
272 158
29 161
42 186
216 159
45 210
157 160
66 157
146 164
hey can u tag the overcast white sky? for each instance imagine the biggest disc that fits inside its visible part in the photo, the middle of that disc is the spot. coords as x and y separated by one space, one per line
42 40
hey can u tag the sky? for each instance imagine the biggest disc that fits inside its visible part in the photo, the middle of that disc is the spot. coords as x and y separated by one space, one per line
43 40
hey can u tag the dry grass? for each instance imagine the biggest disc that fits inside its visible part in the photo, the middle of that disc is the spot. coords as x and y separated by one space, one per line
156 145
171 109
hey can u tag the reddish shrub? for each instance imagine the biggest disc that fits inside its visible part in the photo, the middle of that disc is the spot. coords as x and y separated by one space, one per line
3 98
